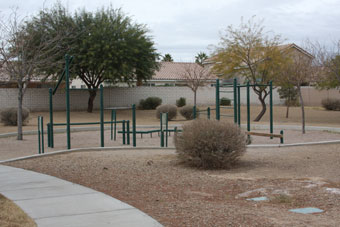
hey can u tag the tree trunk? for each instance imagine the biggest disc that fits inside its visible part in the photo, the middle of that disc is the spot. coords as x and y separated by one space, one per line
139 82
287 112
302 110
264 108
93 94
19 113
195 98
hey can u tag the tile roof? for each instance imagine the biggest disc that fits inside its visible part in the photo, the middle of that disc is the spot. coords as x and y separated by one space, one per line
174 70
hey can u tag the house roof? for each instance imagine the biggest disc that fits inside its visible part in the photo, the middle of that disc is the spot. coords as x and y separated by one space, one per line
283 48
174 70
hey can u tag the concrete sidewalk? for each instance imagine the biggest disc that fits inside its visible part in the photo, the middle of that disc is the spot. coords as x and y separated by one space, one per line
51 201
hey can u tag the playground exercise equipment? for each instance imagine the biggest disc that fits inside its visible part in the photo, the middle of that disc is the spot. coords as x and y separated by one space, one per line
235 89
50 125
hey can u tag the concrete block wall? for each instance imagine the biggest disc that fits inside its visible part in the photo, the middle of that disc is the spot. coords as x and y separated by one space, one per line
36 99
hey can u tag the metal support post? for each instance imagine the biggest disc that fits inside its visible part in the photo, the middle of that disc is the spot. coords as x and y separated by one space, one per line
67 79
217 99
208 112
271 106
235 99
123 124
134 124
101 116
51 135
248 107
128 131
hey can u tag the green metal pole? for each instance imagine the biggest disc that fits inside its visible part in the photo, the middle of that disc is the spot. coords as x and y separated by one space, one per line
162 133
208 113
115 129
166 128
271 106
111 128
218 117
134 124
42 134
248 107
239 106
51 118
39 140
128 131
281 139
48 135
123 124
101 116
67 78
235 100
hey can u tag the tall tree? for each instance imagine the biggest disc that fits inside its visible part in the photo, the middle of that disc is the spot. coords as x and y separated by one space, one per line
168 58
248 52
23 51
108 47
196 76
200 58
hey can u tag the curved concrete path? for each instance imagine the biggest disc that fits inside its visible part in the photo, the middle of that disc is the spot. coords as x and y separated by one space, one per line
50 201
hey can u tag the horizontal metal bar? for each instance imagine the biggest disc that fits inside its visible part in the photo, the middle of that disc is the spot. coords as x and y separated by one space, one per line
87 123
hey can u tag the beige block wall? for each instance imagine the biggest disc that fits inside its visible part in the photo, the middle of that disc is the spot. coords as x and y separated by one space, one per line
313 97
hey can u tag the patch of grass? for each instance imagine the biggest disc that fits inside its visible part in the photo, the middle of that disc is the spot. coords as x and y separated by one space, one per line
12 216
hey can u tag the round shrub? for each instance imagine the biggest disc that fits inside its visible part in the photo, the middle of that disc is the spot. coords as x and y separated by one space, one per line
170 109
331 104
9 116
225 102
210 143
181 102
188 112
150 103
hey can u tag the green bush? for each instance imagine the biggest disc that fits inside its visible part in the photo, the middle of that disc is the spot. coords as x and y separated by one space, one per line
188 112
181 102
210 143
331 104
9 116
225 102
150 103
170 109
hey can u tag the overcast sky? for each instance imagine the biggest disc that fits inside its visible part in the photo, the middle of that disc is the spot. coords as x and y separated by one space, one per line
185 27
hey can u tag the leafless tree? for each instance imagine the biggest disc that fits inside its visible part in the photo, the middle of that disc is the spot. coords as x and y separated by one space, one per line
298 70
196 76
23 51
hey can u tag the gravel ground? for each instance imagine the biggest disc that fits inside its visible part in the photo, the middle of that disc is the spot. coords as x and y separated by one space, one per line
12 148
176 195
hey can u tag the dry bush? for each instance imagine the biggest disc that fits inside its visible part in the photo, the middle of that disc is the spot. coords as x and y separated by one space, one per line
210 143
149 103
188 112
331 104
181 102
9 116
170 109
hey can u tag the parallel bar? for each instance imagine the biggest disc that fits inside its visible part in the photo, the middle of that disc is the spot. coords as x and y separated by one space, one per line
101 116
264 134
86 123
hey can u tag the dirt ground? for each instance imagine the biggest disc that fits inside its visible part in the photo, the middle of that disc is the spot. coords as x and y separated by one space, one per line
176 195
12 148
314 116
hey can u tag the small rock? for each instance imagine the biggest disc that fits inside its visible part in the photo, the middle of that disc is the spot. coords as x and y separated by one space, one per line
105 168
149 163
